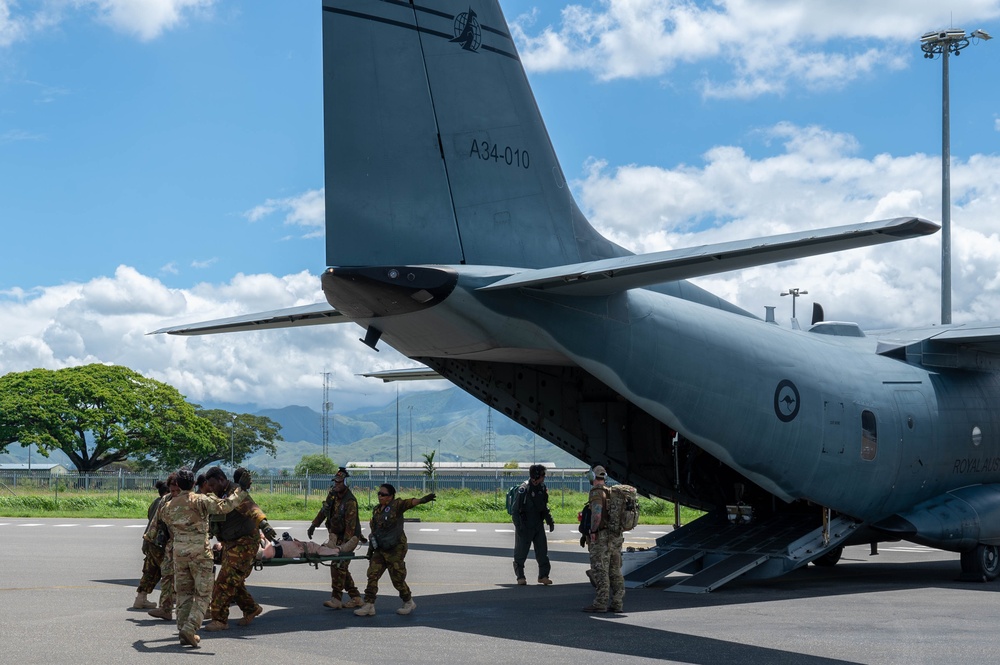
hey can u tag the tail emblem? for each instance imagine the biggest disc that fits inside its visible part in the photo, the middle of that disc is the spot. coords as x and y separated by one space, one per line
467 31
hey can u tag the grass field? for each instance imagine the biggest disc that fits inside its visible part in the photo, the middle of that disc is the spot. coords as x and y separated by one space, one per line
451 506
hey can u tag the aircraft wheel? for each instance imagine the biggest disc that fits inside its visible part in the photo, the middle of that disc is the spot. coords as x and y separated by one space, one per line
983 560
830 558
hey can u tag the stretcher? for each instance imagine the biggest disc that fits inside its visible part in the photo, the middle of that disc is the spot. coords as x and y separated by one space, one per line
315 560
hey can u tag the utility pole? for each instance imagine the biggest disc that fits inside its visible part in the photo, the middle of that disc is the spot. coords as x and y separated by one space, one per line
327 407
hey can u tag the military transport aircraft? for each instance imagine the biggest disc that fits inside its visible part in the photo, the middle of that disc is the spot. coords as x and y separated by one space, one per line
453 237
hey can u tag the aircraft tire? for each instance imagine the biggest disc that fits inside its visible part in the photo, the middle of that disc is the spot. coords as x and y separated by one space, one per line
984 560
830 558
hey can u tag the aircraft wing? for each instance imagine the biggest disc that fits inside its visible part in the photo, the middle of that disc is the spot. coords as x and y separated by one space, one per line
304 315
596 278
962 346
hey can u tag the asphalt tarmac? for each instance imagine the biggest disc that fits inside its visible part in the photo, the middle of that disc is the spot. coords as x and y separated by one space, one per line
66 587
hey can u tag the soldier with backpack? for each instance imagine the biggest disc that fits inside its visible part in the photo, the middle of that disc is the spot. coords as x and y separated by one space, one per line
529 509
606 541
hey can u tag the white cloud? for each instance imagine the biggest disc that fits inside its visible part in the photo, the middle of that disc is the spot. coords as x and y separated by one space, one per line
769 43
306 210
146 19
106 320
814 180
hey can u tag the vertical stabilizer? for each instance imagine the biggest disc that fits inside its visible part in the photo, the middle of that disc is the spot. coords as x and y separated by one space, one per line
435 149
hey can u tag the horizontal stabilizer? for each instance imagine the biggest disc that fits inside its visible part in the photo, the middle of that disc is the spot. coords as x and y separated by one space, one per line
291 317
411 374
607 276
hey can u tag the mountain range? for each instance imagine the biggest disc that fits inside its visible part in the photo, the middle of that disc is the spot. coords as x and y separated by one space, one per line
449 422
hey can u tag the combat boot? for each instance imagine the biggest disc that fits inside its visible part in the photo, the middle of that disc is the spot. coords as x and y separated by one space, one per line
544 581
366 610
248 617
407 607
353 603
141 603
165 612
190 638
215 625
334 603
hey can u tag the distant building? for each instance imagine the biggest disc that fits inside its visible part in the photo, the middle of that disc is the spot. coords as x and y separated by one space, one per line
460 468
36 469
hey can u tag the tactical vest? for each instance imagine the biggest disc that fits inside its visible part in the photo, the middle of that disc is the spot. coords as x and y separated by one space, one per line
387 526
335 517
236 525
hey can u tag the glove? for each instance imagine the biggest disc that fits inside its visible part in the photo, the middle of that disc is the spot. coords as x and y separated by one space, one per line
243 478
268 531
430 497
311 530
552 526
583 541
145 546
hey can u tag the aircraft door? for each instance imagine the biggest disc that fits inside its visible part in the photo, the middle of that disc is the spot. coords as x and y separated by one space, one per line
914 432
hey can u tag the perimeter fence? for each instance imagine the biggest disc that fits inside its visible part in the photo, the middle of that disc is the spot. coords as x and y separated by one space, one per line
121 483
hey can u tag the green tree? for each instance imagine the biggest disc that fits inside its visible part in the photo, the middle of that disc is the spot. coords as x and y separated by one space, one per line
315 465
234 437
429 467
97 415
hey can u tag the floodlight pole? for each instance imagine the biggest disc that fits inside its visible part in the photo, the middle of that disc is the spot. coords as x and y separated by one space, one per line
943 43
794 293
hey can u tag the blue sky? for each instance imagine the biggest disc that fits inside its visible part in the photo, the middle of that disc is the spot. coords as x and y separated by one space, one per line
161 161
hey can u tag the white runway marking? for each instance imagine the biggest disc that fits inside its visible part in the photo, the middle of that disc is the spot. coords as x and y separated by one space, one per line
466 530
430 529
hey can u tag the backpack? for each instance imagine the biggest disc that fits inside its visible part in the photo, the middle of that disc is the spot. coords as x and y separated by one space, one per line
514 497
584 518
623 508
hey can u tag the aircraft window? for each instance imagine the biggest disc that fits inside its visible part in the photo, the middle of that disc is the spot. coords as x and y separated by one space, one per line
869 436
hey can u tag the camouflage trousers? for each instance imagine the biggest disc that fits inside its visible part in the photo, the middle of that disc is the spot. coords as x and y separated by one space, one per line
340 576
193 583
606 568
167 594
151 572
237 564
391 560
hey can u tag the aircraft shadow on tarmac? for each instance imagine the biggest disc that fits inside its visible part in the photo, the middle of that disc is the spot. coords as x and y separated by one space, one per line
501 612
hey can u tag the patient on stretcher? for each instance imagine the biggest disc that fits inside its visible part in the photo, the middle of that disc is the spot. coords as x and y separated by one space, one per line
290 548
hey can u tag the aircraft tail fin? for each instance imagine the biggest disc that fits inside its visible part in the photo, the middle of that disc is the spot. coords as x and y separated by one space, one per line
436 152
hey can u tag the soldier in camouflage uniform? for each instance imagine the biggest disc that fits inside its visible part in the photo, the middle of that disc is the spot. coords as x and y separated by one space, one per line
160 535
187 519
387 546
152 555
239 533
340 512
605 550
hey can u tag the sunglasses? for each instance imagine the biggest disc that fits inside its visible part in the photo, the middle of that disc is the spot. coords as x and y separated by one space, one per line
384 494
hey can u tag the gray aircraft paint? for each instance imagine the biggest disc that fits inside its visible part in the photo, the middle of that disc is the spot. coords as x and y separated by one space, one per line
452 236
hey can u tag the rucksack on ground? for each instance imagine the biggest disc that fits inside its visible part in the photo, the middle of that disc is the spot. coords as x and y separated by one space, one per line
623 508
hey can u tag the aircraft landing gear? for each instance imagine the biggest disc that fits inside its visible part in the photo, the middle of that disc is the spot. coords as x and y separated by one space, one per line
983 561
